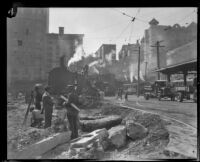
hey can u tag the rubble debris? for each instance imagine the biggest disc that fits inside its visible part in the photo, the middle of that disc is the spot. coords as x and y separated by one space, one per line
88 146
39 148
60 125
135 130
106 122
87 139
117 136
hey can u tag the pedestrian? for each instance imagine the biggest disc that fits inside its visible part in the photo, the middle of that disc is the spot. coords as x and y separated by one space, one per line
47 106
121 93
73 111
126 96
118 93
38 97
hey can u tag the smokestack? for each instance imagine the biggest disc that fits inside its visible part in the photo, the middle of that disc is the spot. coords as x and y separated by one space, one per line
61 30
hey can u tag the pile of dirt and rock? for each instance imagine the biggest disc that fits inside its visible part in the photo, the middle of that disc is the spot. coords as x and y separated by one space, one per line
135 134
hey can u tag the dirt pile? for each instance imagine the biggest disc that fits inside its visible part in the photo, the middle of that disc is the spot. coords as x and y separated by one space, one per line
157 138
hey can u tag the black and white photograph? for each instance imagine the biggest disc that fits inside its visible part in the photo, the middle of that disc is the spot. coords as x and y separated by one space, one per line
102 83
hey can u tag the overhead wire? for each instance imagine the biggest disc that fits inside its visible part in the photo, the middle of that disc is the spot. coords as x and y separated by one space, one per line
123 31
133 24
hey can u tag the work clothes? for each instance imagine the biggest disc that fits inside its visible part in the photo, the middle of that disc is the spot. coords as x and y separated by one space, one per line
48 108
126 96
36 118
38 100
72 114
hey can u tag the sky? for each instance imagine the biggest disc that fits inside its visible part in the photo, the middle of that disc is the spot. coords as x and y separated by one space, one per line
110 26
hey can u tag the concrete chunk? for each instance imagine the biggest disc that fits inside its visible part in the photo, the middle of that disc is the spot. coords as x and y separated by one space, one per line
117 136
106 122
135 130
90 138
39 148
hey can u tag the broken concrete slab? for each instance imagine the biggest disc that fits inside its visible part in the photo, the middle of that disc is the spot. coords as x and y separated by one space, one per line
90 138
135 130
106 122
39 148
117 136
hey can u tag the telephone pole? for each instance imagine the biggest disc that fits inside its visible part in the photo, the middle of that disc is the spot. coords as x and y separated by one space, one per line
157 45
138 81
146 70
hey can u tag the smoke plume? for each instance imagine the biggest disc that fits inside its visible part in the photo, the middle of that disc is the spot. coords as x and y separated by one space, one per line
78 55
132 69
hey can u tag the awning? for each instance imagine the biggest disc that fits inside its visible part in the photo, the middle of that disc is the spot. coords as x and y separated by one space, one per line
185 66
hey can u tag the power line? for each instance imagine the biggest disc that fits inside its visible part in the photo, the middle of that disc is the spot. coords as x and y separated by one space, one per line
133 24
123 31
186 16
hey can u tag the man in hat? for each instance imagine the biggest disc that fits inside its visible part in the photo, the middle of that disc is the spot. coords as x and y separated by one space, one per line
47 106
72 111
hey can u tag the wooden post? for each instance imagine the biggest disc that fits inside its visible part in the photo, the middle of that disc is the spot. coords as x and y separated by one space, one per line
138 89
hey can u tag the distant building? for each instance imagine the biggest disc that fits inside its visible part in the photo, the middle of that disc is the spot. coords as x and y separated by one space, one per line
25 44
172 36
106 53
130 52
58 45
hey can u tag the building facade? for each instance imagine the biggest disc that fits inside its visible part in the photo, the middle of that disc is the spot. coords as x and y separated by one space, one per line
106 53
171 37
58 45
26 35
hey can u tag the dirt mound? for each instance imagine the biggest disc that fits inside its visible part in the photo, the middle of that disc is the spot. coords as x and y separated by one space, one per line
157 138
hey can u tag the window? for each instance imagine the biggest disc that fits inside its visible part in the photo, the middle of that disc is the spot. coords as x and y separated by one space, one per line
19 42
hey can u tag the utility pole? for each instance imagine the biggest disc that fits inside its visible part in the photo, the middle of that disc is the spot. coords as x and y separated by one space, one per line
157 45
146 70
138 81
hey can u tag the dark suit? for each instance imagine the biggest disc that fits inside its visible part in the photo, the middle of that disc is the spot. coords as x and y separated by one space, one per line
72 114
48 109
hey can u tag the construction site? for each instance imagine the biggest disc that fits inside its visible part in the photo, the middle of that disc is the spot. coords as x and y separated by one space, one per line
63 103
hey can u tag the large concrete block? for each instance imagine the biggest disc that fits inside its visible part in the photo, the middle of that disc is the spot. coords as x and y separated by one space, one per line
39 148
117 136
135 130
90 138
106 122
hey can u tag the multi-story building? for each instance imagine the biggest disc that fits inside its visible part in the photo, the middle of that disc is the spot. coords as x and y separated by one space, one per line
171 37
128 58
31 50
106 53
25 44
58 45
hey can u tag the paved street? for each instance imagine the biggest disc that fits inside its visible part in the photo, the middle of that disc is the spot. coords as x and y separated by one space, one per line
185 111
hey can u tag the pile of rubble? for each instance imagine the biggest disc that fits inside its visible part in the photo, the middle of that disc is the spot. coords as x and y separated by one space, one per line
136 133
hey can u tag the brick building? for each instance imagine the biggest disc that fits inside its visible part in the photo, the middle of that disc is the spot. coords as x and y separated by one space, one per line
26 35
107 52
60 44
171 37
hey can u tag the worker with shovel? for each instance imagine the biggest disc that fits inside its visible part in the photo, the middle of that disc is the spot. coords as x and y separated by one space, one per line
72 111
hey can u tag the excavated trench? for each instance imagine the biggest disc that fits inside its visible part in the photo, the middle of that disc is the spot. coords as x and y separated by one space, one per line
152 146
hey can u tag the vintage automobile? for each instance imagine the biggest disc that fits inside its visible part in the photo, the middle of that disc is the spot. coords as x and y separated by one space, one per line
130 88
149 91
188 92
158 89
